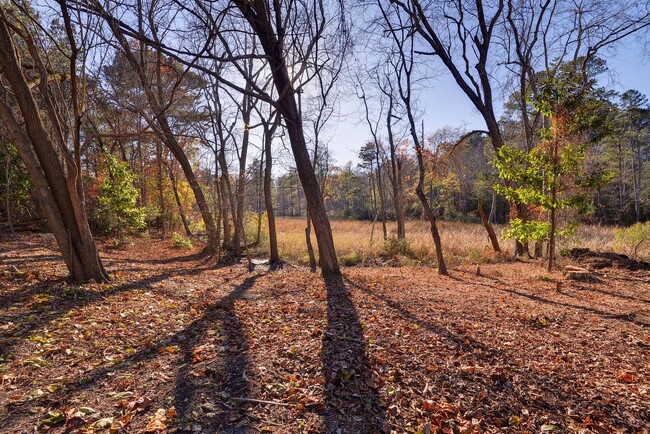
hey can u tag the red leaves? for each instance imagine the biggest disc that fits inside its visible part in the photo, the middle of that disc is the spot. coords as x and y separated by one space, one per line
626 377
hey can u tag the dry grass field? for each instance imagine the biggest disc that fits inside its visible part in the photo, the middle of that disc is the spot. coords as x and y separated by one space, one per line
462 242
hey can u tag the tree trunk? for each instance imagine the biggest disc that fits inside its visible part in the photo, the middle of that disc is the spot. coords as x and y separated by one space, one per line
551 242
260 193
493 208
488 227
638 172
246 109
419 190
621 184
268 199
310 248
428 212
228 202
66 214
179 204
8 192
256 14
553 182
396 178
380 190
161 193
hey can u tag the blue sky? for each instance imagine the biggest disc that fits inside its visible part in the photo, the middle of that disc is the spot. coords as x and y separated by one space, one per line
444 104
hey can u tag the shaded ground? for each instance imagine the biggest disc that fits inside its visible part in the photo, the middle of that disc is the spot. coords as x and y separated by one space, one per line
176 344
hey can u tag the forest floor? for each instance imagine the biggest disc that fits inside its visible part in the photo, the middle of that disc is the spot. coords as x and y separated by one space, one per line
177 344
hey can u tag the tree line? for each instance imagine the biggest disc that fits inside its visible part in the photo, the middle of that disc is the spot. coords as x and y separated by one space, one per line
116 115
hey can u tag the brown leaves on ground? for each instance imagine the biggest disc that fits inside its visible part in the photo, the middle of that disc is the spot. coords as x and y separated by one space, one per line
177 344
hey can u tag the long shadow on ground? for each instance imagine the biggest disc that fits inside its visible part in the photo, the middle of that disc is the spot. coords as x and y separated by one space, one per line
60 301
603 314
231 369
506 387
352 404
223 377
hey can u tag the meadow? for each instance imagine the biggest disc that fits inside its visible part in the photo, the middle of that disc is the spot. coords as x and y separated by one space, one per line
463 243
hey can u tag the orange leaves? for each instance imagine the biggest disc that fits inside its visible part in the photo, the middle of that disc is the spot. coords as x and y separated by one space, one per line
157 423
202 353
170 349
315 332
626 377
428 405
439 412
135 404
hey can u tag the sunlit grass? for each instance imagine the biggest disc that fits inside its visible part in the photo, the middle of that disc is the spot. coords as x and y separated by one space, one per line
463 243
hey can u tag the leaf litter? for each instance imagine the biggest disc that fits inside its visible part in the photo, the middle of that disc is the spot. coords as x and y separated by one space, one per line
176 343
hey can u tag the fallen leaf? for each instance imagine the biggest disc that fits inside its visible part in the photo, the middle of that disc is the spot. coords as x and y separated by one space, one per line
53 418
157 423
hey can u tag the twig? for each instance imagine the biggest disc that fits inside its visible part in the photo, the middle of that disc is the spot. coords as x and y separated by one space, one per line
259 401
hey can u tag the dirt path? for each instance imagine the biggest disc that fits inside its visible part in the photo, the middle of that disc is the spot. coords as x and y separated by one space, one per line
179 345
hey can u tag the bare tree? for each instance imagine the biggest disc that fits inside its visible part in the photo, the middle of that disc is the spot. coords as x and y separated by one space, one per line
374 127
464 36
269 22
270 125
139 62
386 86
403 65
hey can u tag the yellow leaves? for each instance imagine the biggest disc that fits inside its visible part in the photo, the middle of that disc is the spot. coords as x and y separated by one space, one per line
170 349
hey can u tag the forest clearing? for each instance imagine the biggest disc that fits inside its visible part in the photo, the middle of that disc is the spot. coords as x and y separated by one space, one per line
324 216
177 344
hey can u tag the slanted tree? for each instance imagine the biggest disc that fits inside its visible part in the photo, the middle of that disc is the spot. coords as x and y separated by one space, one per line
403 67
38 134
269 22
159 98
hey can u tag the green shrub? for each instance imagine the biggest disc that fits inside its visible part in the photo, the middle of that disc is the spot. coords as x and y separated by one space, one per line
181 242
250 227
351 259
394 247
118 212
633 240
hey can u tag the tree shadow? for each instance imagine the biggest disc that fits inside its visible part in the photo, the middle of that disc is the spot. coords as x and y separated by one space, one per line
57 302
193 257
610 293
352 403
230 368
221 378
32 259
503 384
606 315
